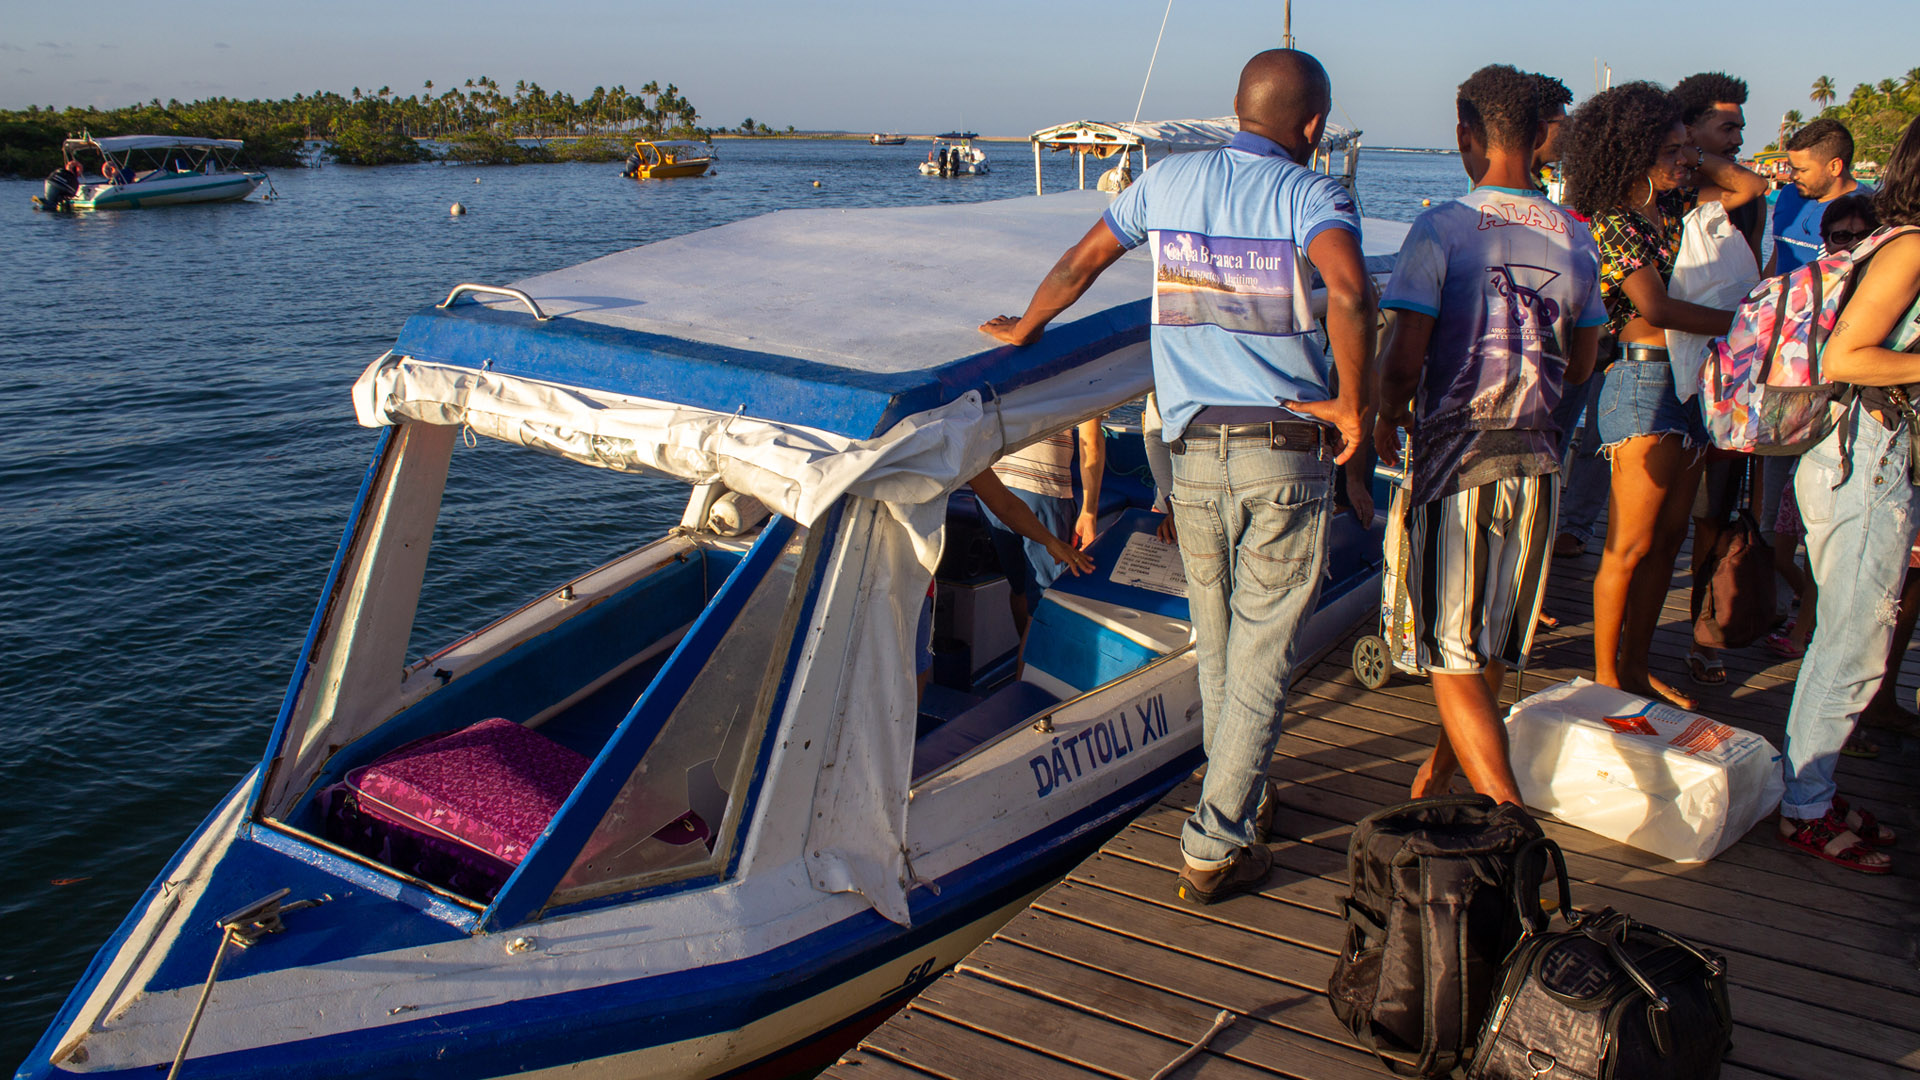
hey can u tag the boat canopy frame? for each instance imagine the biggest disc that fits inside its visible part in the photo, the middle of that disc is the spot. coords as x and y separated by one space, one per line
1103 139
667 151
159 151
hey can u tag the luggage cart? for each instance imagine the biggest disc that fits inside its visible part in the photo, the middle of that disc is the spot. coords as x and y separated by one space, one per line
1377 656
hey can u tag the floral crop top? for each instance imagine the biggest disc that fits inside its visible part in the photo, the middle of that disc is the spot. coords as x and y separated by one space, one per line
1629 241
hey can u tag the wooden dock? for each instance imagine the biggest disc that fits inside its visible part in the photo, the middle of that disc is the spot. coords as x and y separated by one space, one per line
1108 975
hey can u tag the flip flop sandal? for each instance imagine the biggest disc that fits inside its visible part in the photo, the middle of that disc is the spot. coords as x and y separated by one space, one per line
1857 746
1864 824
1829 838
1705 672
1548 622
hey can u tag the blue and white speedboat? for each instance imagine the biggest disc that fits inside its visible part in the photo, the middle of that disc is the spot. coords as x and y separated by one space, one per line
141 171
772 842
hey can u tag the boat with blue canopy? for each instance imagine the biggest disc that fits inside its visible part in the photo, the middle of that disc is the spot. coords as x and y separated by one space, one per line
684 813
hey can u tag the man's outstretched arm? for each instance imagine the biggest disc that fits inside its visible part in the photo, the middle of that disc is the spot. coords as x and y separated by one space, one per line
1064 284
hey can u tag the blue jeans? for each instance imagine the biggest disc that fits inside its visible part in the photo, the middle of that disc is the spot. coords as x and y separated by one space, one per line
1588 476
1859 531
1253 537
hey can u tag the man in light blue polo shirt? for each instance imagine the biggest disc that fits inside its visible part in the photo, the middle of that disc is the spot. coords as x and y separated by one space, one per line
1255 415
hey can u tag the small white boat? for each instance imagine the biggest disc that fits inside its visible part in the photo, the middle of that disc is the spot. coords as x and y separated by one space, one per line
141 171
954 154
768 843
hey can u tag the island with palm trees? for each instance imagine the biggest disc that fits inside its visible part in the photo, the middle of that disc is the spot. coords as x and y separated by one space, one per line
1875 113
475 121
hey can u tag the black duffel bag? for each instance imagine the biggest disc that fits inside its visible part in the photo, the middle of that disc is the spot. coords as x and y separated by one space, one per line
1429 920
1607 997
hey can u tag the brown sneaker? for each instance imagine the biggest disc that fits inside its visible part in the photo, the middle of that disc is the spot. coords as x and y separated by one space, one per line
1244 873
1263 820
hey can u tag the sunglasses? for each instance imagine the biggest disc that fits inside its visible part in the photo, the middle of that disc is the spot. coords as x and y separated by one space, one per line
1843 238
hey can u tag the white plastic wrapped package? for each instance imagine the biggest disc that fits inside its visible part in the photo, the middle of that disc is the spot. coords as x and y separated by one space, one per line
1660 779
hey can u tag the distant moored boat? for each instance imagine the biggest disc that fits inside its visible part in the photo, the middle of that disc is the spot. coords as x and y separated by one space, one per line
668 158
141 171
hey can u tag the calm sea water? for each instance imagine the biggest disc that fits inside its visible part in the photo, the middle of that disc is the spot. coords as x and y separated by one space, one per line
178 454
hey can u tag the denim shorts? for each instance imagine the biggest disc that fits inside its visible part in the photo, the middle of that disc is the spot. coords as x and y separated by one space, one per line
1638 399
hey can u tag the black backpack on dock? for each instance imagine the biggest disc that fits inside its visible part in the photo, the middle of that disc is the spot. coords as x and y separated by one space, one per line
1430 919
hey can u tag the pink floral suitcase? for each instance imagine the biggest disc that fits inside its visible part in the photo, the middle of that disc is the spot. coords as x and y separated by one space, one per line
459 809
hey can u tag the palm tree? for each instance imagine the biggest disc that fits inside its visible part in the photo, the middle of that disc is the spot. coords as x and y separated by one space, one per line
1789 124
1823 91
1910 82
1887 87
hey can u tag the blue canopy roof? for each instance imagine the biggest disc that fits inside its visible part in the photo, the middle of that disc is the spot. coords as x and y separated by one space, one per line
839 320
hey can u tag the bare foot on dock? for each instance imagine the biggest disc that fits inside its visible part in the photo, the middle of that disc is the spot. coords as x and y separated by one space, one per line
1648 686
1429 782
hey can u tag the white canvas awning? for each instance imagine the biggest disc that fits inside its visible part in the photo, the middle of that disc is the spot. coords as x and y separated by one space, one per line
1158 137
115 144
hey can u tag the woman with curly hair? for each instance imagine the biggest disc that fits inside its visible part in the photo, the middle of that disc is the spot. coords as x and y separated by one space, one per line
1626 159
1859 495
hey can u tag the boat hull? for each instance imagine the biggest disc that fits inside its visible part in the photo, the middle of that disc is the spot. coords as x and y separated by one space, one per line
808 998
668 172
966 169
144 194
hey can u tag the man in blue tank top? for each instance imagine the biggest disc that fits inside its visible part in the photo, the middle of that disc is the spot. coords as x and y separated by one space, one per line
1255 416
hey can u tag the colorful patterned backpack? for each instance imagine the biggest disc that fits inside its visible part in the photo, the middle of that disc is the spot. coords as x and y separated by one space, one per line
1761 391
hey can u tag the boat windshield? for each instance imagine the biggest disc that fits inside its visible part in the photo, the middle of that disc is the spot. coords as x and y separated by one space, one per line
678 811
672 151
156 162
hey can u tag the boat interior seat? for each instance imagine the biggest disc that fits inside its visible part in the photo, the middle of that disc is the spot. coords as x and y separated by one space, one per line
1007 707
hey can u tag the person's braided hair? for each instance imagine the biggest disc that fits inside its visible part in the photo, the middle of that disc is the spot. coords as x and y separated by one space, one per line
1614 139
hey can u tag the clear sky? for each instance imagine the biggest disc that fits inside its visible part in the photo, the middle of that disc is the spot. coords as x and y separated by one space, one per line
1003 67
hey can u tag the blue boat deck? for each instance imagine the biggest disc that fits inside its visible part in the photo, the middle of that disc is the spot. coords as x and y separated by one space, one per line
1108 975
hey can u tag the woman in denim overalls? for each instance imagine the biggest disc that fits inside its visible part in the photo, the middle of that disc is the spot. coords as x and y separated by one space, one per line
1858 497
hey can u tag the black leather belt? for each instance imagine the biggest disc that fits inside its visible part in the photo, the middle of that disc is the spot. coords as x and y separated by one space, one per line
1645 354
1279 434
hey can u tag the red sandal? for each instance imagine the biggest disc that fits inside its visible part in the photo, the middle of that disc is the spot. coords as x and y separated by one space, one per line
1864 824
1829 838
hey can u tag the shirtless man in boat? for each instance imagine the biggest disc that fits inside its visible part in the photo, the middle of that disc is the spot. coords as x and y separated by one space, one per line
1255 417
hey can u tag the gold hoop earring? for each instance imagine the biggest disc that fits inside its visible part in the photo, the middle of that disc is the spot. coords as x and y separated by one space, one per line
1650 193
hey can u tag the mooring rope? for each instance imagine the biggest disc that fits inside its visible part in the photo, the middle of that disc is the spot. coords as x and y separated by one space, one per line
1156 55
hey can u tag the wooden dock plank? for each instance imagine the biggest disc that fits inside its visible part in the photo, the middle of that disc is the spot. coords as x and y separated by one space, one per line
917 1038
870 1066
1109 974
1146 997
1047 1027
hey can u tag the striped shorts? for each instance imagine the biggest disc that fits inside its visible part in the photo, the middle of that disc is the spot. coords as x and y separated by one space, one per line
1478 570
